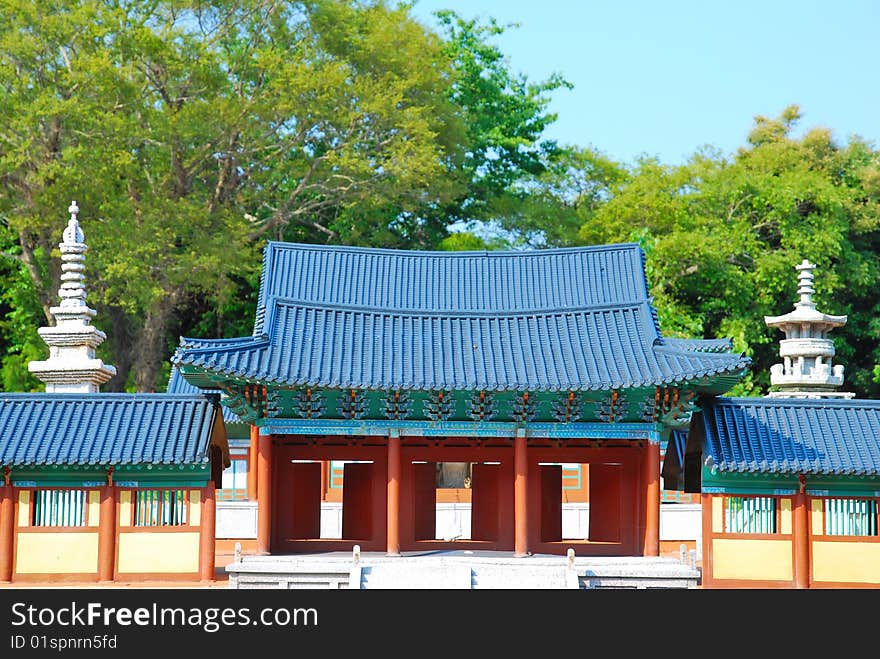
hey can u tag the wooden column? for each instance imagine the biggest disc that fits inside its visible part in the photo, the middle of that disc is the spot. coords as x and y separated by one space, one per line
706 538
520 496
393 501
7 533
208 530
652 499
801 536
264 494
325 478
107 534
253 451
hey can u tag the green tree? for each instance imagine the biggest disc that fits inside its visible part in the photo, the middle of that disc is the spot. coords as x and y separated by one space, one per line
189 133
723 235
549 209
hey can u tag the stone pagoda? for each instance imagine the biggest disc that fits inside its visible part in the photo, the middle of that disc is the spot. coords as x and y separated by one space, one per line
72 366
806 370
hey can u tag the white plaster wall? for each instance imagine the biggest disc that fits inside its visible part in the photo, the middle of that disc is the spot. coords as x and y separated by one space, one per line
575 520
454 521
681 521
236 519
331 520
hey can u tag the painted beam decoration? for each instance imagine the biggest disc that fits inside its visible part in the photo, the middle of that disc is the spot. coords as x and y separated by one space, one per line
668 405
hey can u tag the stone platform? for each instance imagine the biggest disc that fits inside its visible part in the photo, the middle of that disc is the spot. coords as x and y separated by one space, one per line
457 569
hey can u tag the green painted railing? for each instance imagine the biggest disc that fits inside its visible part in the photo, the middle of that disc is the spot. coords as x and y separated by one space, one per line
160 508
851 517
59 508
750 515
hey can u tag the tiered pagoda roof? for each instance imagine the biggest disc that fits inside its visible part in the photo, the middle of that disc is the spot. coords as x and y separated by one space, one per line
548 320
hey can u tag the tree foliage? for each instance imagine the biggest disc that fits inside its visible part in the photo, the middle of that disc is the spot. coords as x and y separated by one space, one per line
723 235
190 133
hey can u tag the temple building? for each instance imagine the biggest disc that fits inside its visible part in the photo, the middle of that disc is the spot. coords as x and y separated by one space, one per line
790 482
411 378
524 402
104 486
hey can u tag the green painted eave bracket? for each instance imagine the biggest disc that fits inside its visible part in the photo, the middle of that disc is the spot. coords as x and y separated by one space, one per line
769 483
182 475
717 385
198 377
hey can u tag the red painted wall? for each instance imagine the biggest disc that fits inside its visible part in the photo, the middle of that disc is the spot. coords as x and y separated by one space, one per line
297 501
424 500
485 505
551 503
357 502
605 481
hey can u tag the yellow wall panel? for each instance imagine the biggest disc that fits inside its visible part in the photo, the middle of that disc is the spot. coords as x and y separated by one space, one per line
125 508
24 508
94 507
785 515
768 560
717 514
57 553
846 562
158 552
195 507
816 508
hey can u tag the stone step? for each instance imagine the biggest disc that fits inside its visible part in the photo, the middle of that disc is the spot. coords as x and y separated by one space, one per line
537 577
428 577
461 571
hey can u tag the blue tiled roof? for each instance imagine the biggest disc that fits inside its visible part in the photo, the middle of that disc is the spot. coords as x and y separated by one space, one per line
104 429
451 282
792 436
178 385
700 345
565 319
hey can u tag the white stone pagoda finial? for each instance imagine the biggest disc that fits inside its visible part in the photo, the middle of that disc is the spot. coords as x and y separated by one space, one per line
72 366
806 370
805 284
73 234
73 249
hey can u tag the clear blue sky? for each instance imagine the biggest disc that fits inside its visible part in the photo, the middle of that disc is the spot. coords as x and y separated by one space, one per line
663 78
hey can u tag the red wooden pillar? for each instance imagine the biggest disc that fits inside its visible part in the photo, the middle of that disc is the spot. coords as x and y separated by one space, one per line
7 533
652 499
107 534
393 501
520 495
706 509
264 494
253 451
801 533
207 533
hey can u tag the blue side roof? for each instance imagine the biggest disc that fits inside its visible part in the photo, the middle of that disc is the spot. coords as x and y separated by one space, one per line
792 436
105 429
178 385
563 319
